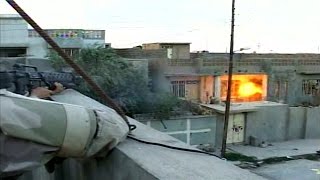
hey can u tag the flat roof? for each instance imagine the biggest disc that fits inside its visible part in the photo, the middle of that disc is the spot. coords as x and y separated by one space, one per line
241 107
11 16
68 29
171 43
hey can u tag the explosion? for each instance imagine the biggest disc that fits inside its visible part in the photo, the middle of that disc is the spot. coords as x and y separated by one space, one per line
248 89
245 88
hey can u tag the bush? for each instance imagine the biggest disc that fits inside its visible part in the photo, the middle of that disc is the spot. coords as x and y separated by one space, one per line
124 83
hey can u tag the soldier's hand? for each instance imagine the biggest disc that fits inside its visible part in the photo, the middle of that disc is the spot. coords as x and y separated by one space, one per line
58 88
41 92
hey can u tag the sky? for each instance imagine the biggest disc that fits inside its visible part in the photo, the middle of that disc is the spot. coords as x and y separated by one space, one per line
264 26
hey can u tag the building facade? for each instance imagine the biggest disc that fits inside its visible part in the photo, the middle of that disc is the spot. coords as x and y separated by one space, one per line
17 40
272 94
174 50
288 78
202 77
13 36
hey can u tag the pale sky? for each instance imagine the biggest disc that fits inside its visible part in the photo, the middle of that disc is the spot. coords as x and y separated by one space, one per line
282 26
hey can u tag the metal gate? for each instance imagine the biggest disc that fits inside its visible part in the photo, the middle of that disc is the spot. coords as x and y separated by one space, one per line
236 128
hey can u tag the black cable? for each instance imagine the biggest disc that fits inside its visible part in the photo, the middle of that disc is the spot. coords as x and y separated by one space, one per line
172 147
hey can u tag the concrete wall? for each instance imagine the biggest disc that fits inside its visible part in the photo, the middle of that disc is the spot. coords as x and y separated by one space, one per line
151 46
142 53
286 72
13 31
206 88
138 161
296 124
260 125
304 123
269 123
181 51
277 123
313 123
37 47
193 130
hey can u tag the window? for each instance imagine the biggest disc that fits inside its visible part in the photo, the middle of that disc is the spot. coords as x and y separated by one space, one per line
178 88
71 51
277 90
169 53
166 46
93 34
285 86
33 33
12 52
311 87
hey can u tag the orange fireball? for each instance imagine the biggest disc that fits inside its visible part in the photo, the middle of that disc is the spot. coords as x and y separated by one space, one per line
248 89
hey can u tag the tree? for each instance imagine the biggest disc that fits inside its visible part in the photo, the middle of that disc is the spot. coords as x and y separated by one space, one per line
121 81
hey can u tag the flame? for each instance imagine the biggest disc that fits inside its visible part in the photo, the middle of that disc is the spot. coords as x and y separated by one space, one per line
245 87
248 89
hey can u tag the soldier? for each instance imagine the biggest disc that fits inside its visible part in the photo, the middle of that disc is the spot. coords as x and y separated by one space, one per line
33 130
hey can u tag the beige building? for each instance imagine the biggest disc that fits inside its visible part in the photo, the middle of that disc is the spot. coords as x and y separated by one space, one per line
174 50
289 78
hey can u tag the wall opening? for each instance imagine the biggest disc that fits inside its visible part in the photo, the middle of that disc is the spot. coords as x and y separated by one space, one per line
12 52
311 87
245 88
178 88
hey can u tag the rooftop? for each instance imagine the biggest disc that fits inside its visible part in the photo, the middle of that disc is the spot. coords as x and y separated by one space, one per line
171 43
14 16
241 107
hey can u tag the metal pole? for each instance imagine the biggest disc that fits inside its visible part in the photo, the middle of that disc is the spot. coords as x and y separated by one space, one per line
227 111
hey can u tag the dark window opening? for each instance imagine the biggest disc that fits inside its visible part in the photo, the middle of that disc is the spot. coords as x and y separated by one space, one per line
178 88
311 87
13 52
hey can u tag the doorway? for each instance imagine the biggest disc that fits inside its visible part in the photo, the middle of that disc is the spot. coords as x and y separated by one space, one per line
236 128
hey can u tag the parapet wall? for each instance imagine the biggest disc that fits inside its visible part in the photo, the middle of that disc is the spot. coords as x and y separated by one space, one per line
137 53
132 160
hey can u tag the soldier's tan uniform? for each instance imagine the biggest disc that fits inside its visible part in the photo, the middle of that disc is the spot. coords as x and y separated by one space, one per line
71 126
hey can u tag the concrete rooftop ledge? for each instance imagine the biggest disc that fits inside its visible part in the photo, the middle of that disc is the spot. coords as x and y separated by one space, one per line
133 160
138 161
241 107
164 163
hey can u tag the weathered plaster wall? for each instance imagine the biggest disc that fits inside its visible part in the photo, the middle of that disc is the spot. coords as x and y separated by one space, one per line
304 123
313 123
296 124
137 161
267 124
206 88
285 71
193 130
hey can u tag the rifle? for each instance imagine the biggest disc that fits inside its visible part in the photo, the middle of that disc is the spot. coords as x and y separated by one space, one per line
21 81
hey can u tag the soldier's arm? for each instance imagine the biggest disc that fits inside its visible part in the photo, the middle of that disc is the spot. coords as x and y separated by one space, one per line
43 93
